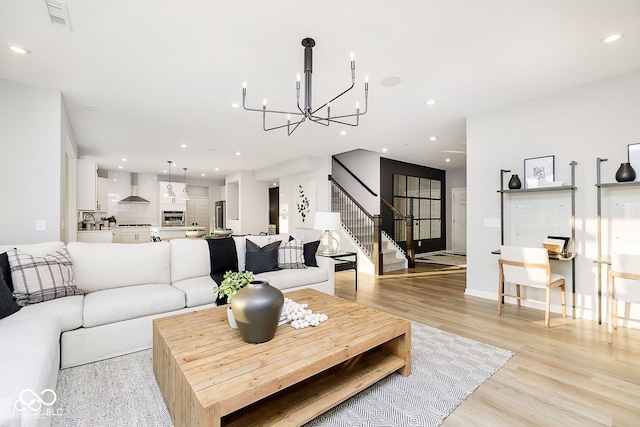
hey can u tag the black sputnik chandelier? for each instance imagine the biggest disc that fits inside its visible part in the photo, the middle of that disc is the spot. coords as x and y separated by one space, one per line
322 114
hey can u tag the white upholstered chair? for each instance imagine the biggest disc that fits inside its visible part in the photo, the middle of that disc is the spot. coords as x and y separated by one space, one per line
528 267
624 285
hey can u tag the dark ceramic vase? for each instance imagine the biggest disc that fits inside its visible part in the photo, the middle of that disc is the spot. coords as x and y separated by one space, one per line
625 173
257 308
515 183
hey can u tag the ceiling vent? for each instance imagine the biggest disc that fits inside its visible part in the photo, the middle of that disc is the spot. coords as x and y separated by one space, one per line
59 14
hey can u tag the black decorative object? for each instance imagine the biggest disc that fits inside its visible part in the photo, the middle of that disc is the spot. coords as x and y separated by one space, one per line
625 173
257 308
515 183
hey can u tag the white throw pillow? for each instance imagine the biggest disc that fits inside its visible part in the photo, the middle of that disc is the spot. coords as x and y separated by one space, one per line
41 278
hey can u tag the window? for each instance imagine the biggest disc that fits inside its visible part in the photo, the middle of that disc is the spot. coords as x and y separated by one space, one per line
422 198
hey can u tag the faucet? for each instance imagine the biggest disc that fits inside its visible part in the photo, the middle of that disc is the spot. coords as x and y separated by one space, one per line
89 214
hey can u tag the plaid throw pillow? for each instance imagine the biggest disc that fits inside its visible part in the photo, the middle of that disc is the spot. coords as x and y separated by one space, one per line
41 278
291 254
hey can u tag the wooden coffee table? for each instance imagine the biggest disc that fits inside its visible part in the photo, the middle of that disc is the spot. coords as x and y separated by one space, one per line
209 376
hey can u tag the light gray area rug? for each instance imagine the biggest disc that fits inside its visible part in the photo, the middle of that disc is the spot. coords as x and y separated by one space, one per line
446 369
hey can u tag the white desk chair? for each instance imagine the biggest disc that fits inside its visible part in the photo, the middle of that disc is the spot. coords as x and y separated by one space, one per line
528 267
624 285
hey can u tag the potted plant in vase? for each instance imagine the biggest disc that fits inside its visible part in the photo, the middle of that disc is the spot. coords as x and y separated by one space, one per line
232 282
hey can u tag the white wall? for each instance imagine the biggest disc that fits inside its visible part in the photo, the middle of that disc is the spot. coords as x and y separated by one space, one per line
366 166
33 171
288 185
456 178
581 124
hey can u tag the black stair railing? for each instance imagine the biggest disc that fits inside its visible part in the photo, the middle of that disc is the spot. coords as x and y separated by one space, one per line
364 228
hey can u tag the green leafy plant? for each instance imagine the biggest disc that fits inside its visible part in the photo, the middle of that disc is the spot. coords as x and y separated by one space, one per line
232 282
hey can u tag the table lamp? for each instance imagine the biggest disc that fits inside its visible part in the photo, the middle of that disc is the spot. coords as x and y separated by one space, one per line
327 221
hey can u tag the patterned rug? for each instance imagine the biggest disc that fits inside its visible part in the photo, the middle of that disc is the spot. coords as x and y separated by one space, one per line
446 369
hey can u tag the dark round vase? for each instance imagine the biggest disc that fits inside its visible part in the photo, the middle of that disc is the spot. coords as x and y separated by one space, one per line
515 183
257 308
625 173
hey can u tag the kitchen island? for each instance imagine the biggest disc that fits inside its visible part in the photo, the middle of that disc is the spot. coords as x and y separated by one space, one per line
175 231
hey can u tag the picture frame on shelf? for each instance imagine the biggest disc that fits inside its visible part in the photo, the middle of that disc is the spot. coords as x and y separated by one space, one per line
539 171
633 153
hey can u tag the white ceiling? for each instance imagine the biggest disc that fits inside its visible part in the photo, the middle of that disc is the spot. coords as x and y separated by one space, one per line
163 73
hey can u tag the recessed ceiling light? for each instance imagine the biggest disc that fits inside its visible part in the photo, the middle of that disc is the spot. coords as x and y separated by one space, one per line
343 132
201 174
275 183
611 37
174 164
447 160
216 169
238 153
235 105
433 138
183 145
19 49
123 159
390 81
164 171
384 150
431 101
119 167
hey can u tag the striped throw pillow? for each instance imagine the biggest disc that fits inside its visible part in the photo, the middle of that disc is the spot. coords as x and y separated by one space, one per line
41 278
291 254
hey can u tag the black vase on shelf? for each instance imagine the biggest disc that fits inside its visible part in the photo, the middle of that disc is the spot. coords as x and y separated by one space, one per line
625 173
514 183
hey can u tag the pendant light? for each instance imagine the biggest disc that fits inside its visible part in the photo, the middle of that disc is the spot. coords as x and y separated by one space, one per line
169 192
185 191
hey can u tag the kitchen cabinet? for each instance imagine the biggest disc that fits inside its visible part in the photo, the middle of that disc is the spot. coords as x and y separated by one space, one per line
177 203
103 195
198 212
87 185
133 235
96 236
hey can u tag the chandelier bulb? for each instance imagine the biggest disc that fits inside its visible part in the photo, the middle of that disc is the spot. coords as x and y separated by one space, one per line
264 102
298 77
244 85
351 56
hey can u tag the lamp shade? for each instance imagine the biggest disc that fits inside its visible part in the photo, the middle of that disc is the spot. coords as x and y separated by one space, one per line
327 221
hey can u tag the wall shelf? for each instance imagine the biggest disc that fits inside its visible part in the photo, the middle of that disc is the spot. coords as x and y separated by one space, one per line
604 260
571 256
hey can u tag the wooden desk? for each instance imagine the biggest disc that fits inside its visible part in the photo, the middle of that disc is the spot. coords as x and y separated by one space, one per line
564 257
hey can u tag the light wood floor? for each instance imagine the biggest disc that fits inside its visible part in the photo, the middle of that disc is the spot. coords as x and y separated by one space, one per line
567 375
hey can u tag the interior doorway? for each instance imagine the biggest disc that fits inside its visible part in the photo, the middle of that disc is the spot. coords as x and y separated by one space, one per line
459 220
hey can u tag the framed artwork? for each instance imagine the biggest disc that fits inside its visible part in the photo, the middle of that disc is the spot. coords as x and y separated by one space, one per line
304 199
634 158
539 171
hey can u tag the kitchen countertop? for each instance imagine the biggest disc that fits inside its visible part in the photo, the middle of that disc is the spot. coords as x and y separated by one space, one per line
180 228
96 231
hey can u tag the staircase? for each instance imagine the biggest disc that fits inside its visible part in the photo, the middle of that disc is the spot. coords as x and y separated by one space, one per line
364 229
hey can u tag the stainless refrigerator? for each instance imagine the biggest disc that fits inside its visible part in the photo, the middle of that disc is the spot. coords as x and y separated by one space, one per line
219 214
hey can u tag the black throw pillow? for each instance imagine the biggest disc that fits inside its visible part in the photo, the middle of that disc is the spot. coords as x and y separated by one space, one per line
223 257
310 250
7 305
6 270
261 259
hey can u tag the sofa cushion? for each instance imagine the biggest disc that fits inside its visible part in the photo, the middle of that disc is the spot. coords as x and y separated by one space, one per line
100 266
30 361
285 279
41 278
197 290
67 310
261 258
7 305
115 305
310 250
291 254
189 258
37 249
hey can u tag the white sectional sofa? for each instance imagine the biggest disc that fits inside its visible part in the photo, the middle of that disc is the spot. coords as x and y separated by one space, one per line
127 286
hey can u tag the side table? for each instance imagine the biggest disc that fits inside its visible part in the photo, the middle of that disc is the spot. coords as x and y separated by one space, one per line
345 261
